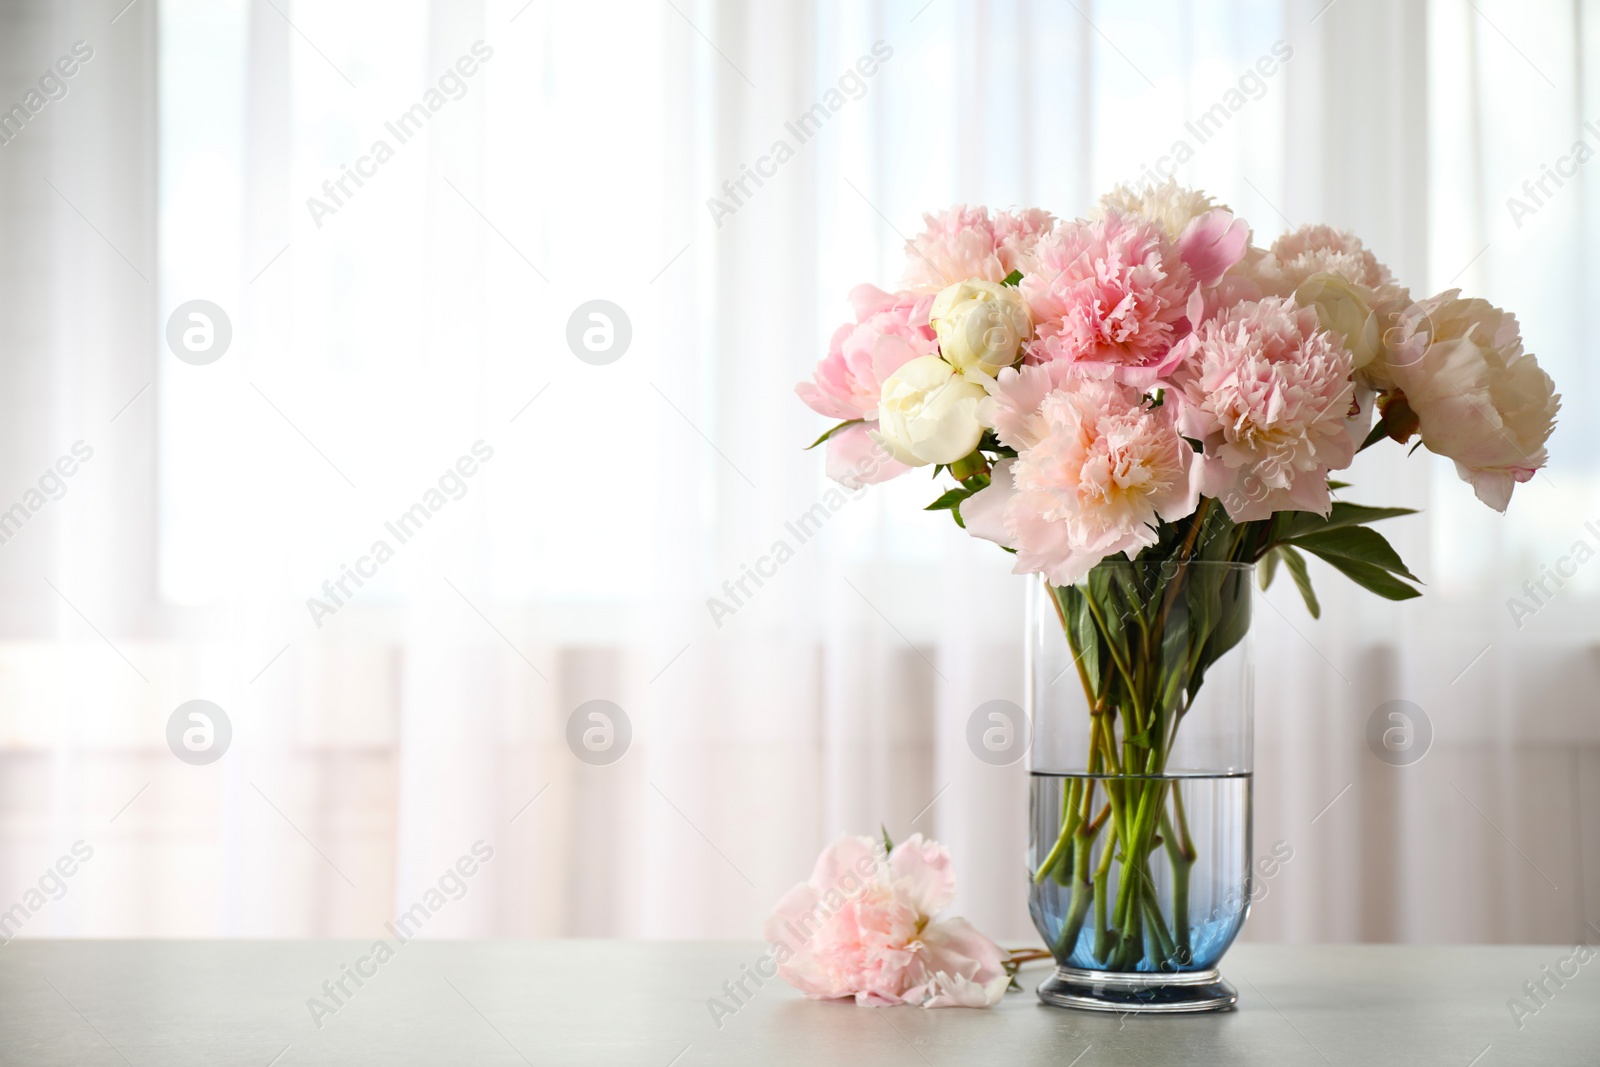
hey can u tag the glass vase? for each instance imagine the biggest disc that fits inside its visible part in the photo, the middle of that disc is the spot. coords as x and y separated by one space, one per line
1140 692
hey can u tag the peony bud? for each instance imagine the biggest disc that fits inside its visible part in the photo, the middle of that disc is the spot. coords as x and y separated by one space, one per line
980 325
927 413
1345 308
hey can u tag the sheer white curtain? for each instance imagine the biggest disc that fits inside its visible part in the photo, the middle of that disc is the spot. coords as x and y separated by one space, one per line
383 332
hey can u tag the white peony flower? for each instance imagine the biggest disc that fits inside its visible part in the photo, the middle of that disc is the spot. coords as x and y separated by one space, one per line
1169 204
980 325
928 413
1478 398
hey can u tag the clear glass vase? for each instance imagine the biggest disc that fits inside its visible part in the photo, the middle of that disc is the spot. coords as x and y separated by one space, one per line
1140 691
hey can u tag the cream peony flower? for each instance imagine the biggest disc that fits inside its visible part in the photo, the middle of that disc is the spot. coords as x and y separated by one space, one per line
1478 398
1347 309
1168 204
1267 392
980 325
928 413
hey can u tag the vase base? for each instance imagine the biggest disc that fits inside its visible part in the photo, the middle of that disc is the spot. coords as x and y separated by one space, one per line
1070 987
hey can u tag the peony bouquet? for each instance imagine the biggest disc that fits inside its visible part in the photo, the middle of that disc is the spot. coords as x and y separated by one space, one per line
1149 385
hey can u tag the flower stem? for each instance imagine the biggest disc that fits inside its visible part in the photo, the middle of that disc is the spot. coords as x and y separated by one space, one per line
1102 936
1069 812
1181 855
1081 892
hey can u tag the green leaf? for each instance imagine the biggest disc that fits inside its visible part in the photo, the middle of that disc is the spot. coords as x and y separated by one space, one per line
1332 485
1012 279
949 500
1296 563
1082 638
1112 618
1355 543
831 431
1371 576
888 845
1287 525
1267 569
1380 430
1233 622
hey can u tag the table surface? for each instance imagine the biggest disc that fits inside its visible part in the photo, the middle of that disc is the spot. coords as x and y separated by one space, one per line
176 1003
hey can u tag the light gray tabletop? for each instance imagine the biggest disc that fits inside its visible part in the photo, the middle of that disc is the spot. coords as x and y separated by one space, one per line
645 1003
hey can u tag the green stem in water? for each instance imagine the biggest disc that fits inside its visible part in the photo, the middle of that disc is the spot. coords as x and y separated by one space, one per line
1081 893
1102 877
1181 855
1136 848
1156 936
1154 926
1069 812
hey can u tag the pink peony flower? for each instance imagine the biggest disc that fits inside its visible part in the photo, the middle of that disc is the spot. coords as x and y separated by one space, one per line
1112 296
1325 250
1012 409
849 379
1268 393
1096 469
862 927
1212 244
1210 238
1017 235
863 354
965 243
855 459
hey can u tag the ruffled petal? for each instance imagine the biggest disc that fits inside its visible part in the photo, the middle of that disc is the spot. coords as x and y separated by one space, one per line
921 868
1212 243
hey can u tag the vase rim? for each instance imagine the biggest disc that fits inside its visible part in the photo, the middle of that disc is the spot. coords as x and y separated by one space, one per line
1163 564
